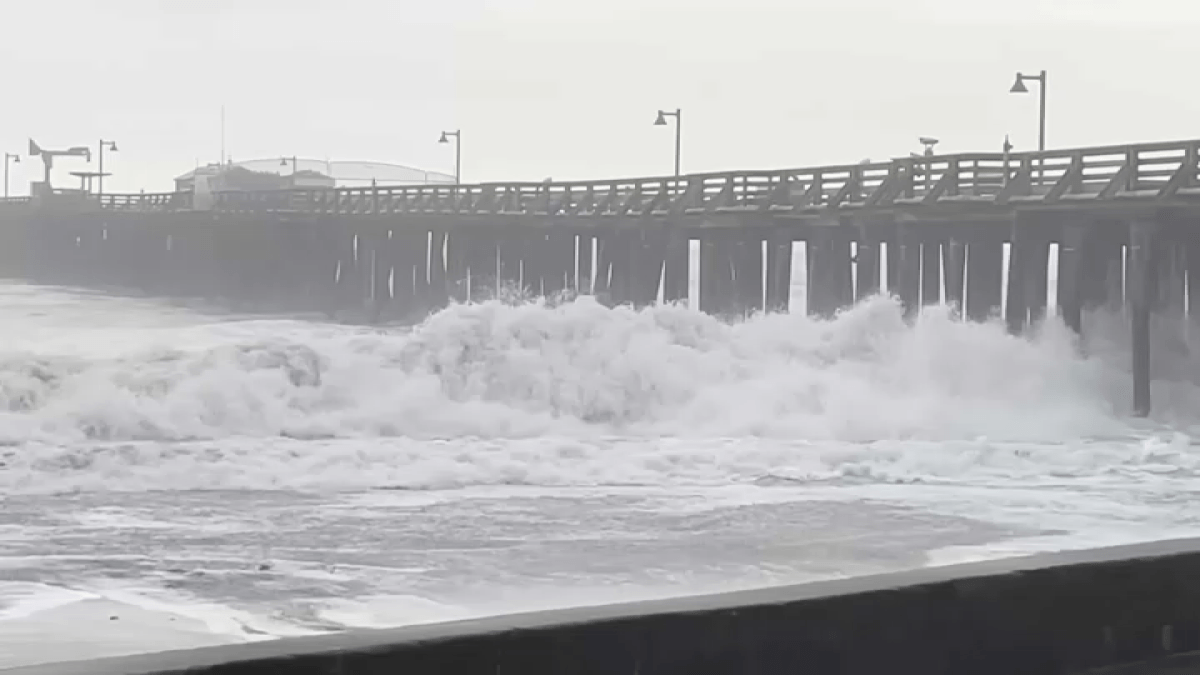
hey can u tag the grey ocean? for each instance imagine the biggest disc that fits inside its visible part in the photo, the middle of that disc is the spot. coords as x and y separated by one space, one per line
174 477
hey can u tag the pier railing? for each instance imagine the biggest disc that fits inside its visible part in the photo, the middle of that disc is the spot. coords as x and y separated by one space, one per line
1111 174
1149 171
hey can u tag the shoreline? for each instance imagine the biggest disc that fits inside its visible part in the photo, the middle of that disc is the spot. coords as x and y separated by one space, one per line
96 628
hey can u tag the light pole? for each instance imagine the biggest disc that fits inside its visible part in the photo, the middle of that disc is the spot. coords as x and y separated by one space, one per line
1020 88
9 158
661 121
457 135
111 145
283 161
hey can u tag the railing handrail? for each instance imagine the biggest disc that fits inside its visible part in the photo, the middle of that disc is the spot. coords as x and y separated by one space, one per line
1049 163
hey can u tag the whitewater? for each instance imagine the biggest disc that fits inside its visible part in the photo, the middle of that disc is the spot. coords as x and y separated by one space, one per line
174 476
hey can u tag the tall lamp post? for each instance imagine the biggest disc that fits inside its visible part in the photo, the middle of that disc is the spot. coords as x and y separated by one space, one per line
9 158
661 121
457 136
1020 88
111 145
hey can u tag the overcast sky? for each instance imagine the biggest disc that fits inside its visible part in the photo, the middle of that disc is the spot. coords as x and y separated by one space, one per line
569 89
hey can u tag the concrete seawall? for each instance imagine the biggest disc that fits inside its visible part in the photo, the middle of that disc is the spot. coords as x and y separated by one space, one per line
1061 613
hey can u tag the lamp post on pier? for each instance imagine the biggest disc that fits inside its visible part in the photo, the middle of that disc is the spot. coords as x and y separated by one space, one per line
1019 87
111 145
457 136
9 158
661 121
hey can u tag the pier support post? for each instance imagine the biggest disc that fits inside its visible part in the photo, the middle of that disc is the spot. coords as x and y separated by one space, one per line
373 245
908 269
985 269
956 265
676 266
620 249
1028 262
829 275
436 295
779 270
748 271
866 263
585 244
931 269
649 256
1142 235
717 290
1192 274
1071 261
1016 311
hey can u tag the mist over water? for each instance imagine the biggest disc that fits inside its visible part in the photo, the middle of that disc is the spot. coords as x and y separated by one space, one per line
212 478
564 393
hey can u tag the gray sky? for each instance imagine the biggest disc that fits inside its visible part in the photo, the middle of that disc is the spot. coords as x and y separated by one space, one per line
569 89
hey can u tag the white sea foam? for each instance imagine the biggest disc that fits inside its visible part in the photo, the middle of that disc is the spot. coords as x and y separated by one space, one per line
578 393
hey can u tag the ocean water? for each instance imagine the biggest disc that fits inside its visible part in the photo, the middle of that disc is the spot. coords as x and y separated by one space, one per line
172 476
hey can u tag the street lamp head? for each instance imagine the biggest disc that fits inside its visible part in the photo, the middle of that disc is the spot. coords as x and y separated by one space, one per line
283 161
444 139
112 145
1019 86
661 120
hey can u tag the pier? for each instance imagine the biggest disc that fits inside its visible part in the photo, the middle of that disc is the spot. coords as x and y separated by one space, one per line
1123 222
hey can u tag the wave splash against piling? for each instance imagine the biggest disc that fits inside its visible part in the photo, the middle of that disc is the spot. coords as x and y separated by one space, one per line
495 369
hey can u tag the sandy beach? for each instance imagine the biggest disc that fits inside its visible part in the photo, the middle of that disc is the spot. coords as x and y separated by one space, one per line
98 628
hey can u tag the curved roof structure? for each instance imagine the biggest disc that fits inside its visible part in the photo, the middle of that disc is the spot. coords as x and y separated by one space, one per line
350 172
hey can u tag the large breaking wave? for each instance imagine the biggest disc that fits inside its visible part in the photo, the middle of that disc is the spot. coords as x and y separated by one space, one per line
561 380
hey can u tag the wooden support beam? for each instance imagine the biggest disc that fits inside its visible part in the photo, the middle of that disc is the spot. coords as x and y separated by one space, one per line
944 184
1117 183
1067 181
722 199
955 259
907 262
676 264
889 189
852 186
1184 176
659 202
779 270
691 198
985 269
611 200
1071 265
866 263
1020 183
627 204
1016 306
1142 236
777 195
810 196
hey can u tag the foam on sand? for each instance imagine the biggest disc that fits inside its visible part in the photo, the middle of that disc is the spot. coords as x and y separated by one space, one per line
95 627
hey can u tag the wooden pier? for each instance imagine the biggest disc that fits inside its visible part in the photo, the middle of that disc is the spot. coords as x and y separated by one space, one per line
1123 221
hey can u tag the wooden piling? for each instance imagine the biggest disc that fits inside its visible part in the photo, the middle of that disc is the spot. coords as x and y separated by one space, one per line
1071 265
779 270
1142 237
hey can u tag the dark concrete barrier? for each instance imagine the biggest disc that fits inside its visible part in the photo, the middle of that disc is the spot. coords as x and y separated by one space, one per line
1061 613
